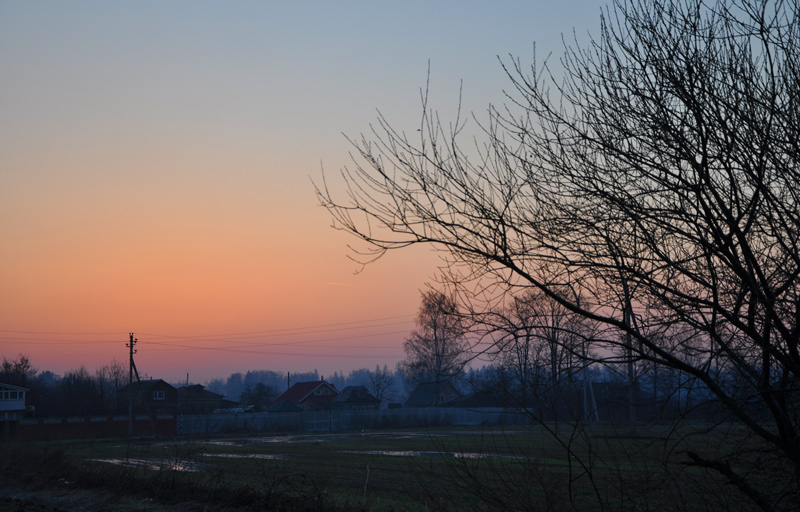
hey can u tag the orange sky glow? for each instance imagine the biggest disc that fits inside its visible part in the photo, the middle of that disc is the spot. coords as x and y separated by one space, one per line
156 167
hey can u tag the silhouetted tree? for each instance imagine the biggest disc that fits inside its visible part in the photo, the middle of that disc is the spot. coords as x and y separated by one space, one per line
78 394
234 386
110 379
437 349
539 343
18 372
381 383
655 178
258 395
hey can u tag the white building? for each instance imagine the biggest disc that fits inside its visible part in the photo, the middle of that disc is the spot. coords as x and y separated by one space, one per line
12 402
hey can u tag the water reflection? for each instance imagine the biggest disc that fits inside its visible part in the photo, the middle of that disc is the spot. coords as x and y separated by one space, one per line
266 456
410 453
153 464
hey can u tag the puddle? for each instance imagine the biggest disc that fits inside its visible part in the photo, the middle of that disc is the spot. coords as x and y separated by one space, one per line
319 438
153 464
457 455
245 441
265 456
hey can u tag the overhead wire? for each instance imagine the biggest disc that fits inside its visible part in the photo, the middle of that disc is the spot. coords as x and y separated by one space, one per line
286 330
234 342
267 334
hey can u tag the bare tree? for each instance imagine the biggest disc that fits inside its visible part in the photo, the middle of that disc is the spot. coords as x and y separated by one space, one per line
655 178
79 394
437 350
381 383
540 345
519 350
19 371
260 395
111 378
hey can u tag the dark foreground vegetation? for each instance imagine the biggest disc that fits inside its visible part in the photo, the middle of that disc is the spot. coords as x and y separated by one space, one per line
633 203
539 468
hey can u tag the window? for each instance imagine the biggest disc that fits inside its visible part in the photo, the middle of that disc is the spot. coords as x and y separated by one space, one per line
159 395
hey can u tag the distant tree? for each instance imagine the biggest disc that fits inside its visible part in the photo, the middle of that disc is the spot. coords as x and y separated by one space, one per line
46 378
302 377
18 372
110 379
269 377
358 377
404 384
654 176
234 386
337 379
258 395
44 395
381 383
217 386
437 350
489 379
539 344
79 394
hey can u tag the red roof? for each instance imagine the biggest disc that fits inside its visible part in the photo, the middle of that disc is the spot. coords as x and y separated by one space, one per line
310 394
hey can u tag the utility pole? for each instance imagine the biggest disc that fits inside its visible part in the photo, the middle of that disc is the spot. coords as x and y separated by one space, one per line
131 367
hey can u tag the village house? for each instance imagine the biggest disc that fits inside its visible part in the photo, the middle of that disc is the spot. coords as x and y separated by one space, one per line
12 402
434 394
153 396
315 395
355 398
195 399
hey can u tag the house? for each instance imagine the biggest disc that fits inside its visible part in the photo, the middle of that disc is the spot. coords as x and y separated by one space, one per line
284 406
315 395
153 396
12 401
355 398
195 399
433 394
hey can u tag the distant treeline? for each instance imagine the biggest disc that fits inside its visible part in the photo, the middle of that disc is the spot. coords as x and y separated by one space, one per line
76 393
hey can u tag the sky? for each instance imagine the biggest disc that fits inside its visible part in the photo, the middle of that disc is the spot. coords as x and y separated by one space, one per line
157 162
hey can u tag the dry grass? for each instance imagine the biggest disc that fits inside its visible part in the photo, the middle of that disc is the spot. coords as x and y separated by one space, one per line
447 469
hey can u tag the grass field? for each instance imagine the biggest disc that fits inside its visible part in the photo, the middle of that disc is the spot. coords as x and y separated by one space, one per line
536 468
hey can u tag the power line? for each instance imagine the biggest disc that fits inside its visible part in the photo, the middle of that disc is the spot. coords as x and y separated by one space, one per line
188 339
278 332
269 352
242 342
58 333
357 324
46 341
287 343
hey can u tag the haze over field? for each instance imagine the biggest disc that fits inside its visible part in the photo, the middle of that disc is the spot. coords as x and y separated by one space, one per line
156 163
